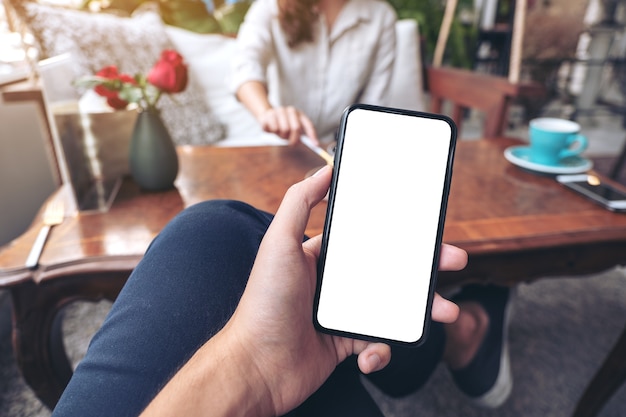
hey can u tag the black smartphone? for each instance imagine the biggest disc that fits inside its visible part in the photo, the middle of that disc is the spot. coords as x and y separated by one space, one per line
596 190
384 223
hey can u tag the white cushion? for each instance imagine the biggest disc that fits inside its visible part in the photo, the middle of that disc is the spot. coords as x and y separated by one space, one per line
134 44
208 57
406 81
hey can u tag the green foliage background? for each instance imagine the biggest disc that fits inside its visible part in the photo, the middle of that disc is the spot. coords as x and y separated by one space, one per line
429 14
192 15
188 14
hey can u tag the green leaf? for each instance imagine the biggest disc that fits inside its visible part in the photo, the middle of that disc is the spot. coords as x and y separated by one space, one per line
130 93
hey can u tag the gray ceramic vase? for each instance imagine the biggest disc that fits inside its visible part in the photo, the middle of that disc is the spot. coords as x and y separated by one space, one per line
153 158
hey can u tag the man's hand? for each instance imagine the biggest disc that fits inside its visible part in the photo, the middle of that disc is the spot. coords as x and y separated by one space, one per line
269 358
274 317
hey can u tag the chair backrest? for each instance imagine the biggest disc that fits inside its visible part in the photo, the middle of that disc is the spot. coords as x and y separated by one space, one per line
487 93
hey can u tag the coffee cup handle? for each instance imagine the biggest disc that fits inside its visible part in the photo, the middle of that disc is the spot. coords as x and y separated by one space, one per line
581 144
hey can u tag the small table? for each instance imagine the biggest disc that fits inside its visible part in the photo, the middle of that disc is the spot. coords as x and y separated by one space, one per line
515 225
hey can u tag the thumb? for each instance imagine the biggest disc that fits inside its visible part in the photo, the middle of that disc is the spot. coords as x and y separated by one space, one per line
293 214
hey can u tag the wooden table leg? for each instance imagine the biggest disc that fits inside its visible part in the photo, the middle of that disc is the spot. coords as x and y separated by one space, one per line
37 336
607 380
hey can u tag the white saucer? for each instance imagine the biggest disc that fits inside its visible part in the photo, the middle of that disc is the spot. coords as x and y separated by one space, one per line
520 156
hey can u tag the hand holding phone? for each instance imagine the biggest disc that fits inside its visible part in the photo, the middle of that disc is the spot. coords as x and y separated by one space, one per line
380 250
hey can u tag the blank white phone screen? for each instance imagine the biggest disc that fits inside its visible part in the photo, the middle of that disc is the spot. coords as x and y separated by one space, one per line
383 225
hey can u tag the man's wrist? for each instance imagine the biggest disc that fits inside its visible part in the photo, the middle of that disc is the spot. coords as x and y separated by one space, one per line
221 379
239 367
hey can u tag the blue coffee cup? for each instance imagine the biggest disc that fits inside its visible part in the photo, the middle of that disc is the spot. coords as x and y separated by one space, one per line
553 139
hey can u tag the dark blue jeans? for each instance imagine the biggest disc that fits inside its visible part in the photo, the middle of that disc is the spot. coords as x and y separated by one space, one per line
182 292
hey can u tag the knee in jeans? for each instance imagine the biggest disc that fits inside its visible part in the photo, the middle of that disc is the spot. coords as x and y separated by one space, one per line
225 212
221 218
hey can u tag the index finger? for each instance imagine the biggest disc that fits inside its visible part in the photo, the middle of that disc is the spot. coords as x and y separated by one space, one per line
309 129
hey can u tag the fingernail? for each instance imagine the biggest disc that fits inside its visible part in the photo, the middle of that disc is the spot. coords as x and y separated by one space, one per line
319 171
374 362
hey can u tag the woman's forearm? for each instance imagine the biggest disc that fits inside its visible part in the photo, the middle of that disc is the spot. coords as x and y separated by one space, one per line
253 95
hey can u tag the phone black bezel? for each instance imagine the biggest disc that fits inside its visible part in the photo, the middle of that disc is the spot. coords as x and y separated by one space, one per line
439 235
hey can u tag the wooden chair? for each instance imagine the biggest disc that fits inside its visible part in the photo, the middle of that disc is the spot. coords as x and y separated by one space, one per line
466 89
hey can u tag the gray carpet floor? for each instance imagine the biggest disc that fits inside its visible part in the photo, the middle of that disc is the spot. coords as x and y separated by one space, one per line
560 332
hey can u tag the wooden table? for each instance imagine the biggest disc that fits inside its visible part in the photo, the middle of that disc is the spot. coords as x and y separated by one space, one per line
515 225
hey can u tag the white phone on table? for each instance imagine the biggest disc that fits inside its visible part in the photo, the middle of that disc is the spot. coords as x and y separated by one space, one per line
596 190
384 223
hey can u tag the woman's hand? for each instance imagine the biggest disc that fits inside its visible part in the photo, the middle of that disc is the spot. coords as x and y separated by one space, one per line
288 123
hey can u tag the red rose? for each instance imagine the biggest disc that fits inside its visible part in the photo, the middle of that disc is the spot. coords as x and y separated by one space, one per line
117 103
169 74
110 73
125 78
110 89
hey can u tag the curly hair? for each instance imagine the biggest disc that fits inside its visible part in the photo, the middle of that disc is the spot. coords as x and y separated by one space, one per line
297 19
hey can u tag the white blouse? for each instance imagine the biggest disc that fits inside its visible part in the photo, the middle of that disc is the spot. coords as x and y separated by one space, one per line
351 64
